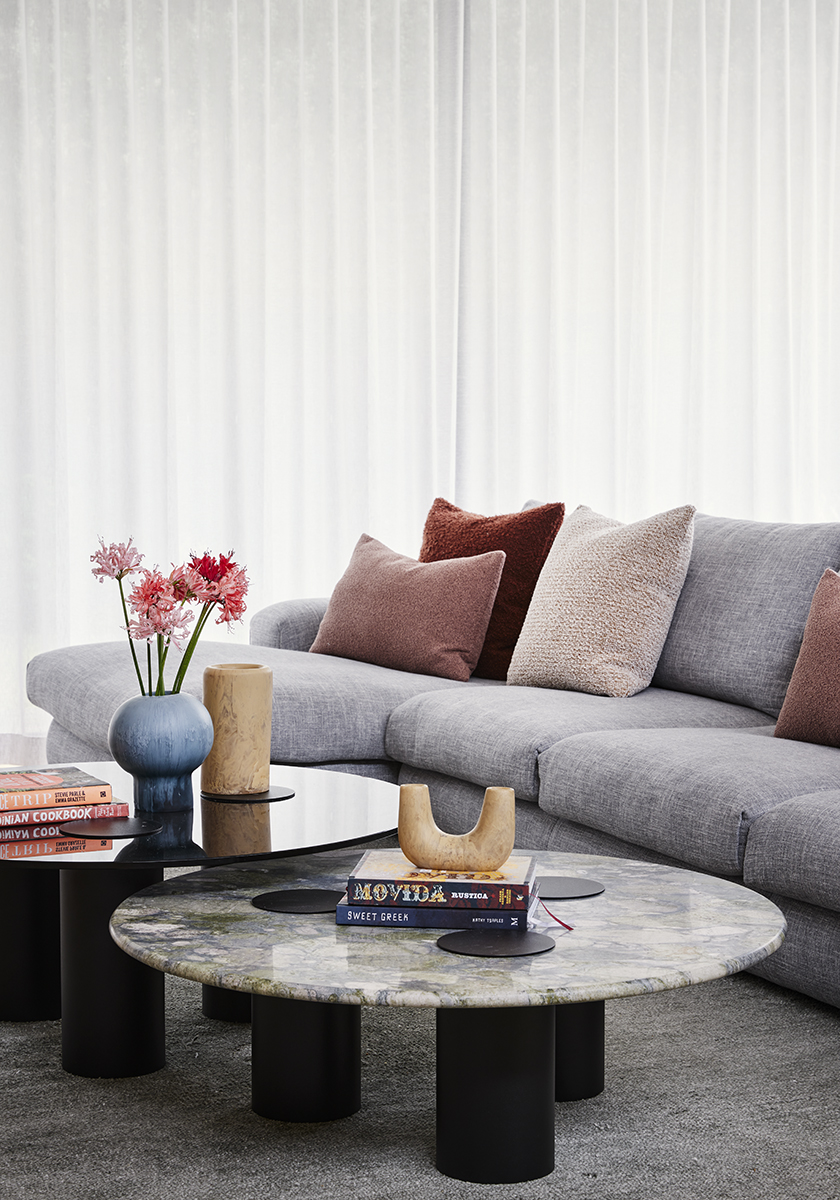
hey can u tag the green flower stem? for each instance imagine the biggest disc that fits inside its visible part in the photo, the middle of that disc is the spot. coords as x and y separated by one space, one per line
166 651
130 642
149 665
161 654
191 645
162 664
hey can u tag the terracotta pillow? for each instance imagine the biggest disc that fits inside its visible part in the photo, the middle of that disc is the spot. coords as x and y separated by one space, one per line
603 603
811 709
526 539
396 612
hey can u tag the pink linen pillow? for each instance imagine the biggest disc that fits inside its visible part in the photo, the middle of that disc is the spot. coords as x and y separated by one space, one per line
811 709
397 612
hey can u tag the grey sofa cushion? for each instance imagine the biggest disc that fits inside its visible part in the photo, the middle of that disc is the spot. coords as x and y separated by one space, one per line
795 849
456 806
289 624
692 794
65 747
494 736
325 709
739 620
809 958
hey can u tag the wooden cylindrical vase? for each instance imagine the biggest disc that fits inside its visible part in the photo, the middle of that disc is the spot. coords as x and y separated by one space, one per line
238 697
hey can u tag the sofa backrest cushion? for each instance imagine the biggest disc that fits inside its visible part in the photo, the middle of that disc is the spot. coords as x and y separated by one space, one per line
396 612
739 621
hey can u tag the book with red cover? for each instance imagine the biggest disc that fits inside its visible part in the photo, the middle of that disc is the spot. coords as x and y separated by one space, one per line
51 787
20 818
49 846
388 877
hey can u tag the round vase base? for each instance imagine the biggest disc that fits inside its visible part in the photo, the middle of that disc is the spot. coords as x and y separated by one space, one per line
273 793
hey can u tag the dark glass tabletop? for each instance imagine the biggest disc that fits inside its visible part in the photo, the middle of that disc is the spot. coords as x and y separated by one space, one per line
329 809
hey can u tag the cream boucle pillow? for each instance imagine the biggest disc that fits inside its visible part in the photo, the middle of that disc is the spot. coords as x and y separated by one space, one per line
603 603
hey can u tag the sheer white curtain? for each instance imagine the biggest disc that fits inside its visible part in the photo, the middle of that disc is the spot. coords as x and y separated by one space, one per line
650 288
277 272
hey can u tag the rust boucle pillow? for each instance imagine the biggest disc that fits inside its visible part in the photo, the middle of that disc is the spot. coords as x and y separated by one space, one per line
397 612
526 539
603 603
811 709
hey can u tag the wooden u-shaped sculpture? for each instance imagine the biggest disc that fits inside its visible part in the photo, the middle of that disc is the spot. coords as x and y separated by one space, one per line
484 848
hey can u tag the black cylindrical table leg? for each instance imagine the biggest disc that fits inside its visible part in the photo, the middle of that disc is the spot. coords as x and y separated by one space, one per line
30 981
112 1005
306 1059
579 1066
495 1093
223 1004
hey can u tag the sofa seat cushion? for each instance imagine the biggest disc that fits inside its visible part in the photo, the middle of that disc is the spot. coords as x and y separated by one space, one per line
794 850
326 709
495 736
689 793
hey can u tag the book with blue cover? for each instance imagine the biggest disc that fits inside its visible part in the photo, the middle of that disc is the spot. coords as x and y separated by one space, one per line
387 916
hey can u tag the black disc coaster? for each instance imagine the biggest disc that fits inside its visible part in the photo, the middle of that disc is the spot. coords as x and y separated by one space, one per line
298 900
273 793
495 943
568 887
114 828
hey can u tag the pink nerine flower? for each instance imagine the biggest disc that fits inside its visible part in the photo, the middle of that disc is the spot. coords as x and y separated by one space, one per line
172 624
159 603
115 561
224 582
187 584
209 568
232 589
152 593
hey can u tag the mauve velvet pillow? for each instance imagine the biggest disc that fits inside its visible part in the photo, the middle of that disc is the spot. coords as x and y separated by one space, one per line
396 612
526 539
811 710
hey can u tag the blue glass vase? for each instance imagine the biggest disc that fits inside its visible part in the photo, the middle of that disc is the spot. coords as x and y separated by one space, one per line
160 741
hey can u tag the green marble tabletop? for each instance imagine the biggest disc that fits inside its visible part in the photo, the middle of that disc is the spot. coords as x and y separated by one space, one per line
652 928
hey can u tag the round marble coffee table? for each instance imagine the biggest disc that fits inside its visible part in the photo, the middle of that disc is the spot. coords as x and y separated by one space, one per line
507 1028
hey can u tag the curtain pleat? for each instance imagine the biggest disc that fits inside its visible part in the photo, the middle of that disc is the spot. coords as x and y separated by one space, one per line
274 273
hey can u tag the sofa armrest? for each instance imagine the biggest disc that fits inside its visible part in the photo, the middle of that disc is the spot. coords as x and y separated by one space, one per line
287 625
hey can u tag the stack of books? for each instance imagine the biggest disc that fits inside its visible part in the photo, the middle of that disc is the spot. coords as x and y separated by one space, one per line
33 804
386 890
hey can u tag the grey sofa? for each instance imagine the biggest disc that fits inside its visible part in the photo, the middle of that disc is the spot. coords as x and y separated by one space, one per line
687 772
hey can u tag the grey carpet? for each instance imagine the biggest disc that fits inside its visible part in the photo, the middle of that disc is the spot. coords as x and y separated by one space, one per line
730 1089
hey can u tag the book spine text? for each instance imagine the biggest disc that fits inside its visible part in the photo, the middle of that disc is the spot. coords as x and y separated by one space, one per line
27 817
429 918
445 894
92 794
